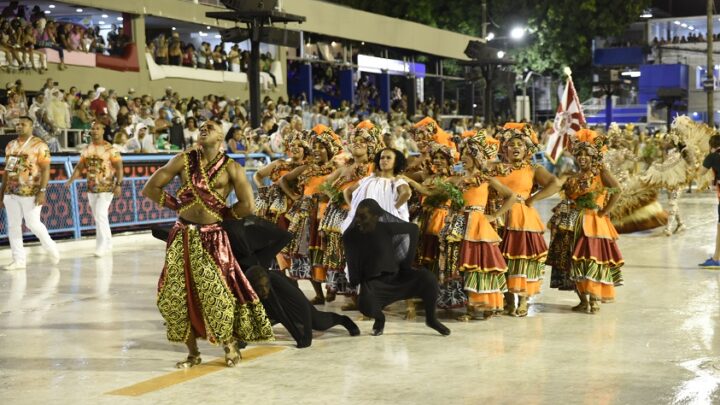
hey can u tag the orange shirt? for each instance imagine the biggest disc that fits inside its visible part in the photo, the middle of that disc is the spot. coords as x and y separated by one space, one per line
22 164
99 160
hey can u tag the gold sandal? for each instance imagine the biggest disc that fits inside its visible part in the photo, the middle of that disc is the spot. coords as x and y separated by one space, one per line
191 361
464 318
594 307
232 357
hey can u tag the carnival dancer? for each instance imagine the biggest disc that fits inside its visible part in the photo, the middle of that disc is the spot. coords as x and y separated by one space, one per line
673 174
583 251
271 203
386 187
23 191
439 197
638 208
469 241
365 140
379 248
202 292
308 208
523 245
104 174
286 304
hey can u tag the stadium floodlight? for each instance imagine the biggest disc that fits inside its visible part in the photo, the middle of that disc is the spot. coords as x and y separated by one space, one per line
517 33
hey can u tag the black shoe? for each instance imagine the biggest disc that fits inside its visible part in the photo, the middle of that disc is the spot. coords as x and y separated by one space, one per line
442 329
376 332
351 327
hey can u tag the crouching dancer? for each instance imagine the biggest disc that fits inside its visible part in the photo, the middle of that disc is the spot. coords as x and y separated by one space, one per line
286 304
379 248
202 292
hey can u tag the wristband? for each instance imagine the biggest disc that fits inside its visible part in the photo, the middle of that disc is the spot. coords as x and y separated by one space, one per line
168 201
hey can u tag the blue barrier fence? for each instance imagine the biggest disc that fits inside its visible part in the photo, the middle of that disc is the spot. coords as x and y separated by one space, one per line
67 212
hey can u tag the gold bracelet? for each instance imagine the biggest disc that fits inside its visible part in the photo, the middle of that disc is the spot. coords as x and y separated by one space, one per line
161 203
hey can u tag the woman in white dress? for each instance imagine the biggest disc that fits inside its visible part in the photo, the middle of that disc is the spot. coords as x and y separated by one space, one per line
390 191
384 186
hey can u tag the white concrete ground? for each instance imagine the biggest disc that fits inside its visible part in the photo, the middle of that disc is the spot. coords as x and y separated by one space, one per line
87 331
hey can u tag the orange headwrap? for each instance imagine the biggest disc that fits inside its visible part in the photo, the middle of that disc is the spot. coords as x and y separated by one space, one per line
328 138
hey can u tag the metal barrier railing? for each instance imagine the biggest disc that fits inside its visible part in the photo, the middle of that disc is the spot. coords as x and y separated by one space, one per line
67 212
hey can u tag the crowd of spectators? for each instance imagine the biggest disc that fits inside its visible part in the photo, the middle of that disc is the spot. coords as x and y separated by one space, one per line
692 37
173 51
23 32
144 124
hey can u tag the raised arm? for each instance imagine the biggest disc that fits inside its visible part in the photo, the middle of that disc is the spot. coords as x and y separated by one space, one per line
264 172
243 191
420 188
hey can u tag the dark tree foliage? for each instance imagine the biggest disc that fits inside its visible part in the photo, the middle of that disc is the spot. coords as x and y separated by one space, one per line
561 30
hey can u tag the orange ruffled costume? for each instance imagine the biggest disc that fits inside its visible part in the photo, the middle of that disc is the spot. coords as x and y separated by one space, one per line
523 245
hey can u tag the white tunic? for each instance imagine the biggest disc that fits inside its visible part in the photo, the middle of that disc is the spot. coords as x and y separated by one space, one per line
382 190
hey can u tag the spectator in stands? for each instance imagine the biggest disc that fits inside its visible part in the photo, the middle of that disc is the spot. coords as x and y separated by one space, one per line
189 59
244 61
266 66
28 40
98 106
205 57
113 106
219 58
236 140
15 107
145 118
175 52
162 125
191 131
142 142
120 140
7 43
48 39
234 59
75 37
57 110
82 116
121 41
161 50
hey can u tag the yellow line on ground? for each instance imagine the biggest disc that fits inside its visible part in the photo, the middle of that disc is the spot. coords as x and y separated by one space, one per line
181 376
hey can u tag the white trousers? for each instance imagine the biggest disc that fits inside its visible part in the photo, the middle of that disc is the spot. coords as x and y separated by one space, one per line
99 206
17 209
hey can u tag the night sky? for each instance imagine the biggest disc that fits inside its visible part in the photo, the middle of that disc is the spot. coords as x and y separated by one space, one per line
683 8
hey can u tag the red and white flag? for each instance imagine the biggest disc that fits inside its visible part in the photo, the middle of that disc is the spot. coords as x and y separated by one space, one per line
568 120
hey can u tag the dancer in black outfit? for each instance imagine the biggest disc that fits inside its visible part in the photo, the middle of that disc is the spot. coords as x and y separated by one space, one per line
379 249
286 304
